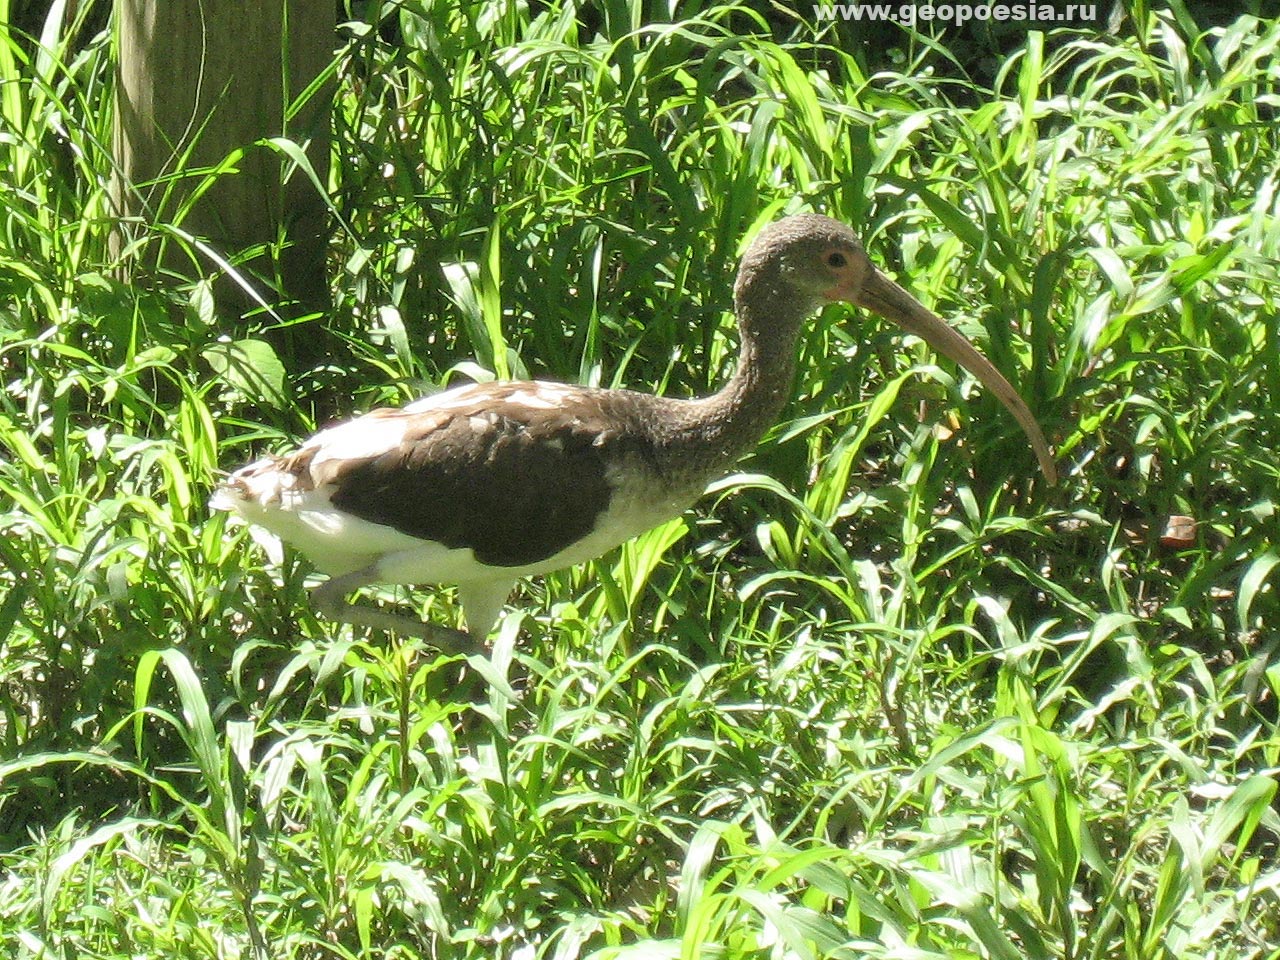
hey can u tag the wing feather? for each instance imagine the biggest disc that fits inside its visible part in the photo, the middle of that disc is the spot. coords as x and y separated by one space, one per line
507 473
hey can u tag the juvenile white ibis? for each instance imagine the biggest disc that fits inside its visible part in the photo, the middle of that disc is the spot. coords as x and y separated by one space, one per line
483 484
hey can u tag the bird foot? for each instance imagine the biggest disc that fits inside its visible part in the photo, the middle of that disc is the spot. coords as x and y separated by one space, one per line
328 600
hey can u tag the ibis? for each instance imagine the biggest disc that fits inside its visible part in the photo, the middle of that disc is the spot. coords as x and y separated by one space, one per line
481 485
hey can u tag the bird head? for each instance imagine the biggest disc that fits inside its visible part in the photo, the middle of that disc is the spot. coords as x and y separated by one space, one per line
817 260
808 257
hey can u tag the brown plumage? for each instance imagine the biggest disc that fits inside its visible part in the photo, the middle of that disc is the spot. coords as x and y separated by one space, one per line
472 456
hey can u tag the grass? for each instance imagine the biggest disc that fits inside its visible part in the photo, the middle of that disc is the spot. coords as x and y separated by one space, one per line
881 695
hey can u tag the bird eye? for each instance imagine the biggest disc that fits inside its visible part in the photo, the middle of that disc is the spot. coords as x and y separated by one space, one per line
837 260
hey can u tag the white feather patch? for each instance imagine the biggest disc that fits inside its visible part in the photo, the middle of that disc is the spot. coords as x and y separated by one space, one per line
541 395
536 394
358 439
447 399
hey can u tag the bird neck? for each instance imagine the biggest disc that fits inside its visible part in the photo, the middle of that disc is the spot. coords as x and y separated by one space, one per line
752 399
713 432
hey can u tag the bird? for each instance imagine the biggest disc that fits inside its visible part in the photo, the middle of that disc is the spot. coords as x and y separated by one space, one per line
487 483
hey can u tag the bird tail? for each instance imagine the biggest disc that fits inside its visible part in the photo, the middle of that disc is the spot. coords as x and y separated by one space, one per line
256 485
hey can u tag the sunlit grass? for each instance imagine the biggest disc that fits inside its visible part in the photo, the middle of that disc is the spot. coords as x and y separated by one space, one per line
883 694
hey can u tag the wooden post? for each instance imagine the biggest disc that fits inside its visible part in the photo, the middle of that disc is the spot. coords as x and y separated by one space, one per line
198 79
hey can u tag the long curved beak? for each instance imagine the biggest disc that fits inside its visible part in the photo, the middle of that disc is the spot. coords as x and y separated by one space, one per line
880 294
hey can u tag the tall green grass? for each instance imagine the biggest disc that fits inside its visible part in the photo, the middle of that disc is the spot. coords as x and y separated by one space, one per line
882 694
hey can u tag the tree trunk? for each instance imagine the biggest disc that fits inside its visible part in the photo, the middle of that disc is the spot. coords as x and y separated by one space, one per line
197 80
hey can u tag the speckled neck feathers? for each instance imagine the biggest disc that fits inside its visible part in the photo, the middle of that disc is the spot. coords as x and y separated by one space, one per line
697 440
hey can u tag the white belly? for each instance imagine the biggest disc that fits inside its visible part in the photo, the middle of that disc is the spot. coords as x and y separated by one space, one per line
339 543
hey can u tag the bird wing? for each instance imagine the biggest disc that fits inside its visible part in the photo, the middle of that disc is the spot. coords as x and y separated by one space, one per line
513 471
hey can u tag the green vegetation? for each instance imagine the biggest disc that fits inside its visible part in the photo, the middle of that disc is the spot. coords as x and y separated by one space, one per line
882 695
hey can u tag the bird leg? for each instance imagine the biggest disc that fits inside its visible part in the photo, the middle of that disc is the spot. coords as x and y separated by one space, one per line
329 601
